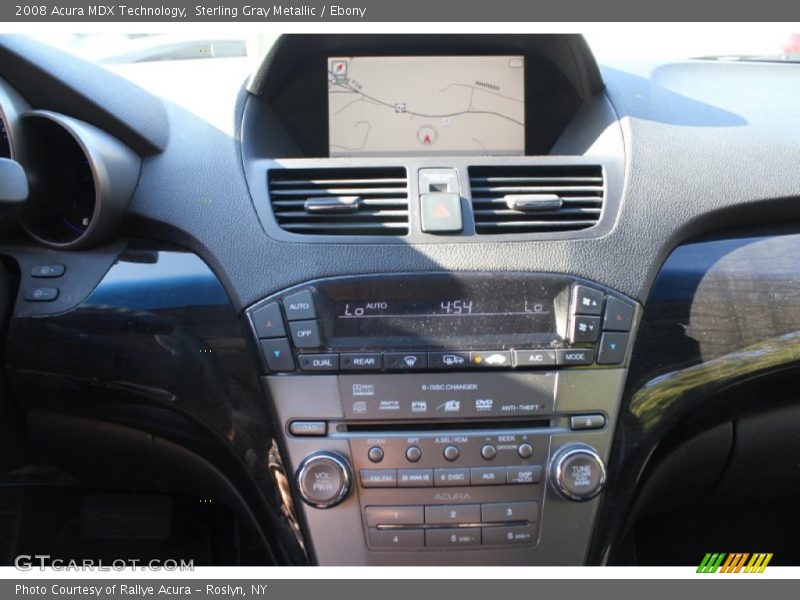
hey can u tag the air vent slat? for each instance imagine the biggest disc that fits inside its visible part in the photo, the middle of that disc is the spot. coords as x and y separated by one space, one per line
381 195
496 190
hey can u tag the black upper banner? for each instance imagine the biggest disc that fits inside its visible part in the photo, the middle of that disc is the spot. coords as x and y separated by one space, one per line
351 11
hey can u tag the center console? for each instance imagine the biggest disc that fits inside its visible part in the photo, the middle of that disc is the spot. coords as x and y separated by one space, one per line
446 418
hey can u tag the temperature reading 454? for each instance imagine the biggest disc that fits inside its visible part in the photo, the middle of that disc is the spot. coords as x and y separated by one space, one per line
457 307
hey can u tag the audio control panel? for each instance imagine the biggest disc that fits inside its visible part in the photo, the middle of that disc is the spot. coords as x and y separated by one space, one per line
407 452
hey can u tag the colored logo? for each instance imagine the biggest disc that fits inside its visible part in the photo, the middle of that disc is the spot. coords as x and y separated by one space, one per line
737 562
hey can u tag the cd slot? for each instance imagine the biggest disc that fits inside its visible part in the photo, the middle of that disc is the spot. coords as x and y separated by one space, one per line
411 426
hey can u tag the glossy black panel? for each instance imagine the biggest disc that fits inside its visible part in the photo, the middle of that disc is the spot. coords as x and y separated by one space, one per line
159 346
721 312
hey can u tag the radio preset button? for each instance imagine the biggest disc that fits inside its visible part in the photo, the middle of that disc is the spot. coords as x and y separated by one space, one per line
414 477
506 536
488 451
575 357
406 361
362 361
534 358
299 306
318 362
453 537
450 477
488 475
305 334
378 478
375 454
268 321
525 450
586 301
506 512
455 514
450 453
394 515
396 538
524 475
413 453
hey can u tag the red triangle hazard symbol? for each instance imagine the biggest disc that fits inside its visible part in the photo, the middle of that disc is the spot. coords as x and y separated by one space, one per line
426 140
441 211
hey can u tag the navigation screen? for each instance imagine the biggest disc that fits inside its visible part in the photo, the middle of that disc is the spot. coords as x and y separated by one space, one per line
442 105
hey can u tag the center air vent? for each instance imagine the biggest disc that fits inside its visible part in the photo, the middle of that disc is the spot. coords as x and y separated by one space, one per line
360 201
535 198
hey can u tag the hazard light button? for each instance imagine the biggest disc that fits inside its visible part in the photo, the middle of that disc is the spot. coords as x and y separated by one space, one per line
441 212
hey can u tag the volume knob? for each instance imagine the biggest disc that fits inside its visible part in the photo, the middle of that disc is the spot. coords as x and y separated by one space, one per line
324 479
577 472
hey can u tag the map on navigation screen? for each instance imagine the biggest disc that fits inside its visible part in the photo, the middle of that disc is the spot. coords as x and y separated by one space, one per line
443 105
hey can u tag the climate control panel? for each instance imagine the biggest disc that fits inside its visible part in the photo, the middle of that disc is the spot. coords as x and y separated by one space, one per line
446 419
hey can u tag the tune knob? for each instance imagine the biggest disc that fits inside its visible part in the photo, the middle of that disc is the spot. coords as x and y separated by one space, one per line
577 472
324 479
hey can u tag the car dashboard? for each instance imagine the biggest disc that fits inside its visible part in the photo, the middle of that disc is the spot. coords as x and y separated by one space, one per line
437 300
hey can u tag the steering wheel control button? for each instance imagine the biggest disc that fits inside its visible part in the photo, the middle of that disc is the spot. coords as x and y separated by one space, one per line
525 450
618 315
278 354
580 422
587 301
491 359
318 362
413 454
612 348
524 475
488 451
305 334
577 472
324 479
363 361
534 358
405 361
575 357
441 212
487 475
41 294
378 478
47 271
267 321
299 306
450 477
375 454
394 515
450 453
584 329
456 514
508 512
304 428
414 477
396 538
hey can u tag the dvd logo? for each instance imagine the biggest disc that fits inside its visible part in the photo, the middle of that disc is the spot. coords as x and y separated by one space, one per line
484 404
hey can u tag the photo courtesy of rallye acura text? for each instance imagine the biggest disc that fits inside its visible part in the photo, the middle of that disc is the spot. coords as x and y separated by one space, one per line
399 300
138 590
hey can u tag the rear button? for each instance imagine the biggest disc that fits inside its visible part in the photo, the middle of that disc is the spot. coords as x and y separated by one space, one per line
361 362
